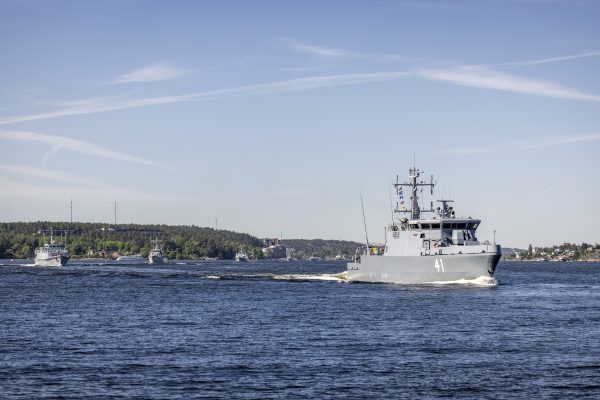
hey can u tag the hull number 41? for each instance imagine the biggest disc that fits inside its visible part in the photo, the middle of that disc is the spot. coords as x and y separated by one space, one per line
439 264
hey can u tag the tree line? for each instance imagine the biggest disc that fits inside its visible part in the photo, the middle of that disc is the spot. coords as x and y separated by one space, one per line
19 240
305 248
99 240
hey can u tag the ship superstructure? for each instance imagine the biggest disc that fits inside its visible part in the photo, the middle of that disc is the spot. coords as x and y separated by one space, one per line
53 254
274 248
157 255
420 250
241 256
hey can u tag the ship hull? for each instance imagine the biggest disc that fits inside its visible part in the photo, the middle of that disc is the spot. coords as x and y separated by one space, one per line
56 261
422 269
156 260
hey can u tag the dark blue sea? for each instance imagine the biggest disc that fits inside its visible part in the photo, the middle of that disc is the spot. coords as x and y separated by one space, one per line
285 330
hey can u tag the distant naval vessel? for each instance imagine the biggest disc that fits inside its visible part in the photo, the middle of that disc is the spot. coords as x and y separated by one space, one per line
241 256
422 250
157 255
51 254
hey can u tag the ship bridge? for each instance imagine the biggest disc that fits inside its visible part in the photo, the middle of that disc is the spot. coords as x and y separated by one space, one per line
445 224
441 232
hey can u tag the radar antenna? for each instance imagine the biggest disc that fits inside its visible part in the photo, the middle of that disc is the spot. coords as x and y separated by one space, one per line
415 210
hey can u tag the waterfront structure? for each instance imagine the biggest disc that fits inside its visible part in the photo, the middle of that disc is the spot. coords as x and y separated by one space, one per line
422 250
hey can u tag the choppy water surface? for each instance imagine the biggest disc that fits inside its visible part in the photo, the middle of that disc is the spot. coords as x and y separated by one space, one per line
295 330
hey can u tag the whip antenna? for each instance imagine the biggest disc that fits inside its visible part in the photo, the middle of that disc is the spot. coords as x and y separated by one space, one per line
362 204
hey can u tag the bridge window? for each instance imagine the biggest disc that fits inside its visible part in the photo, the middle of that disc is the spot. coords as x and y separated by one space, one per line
473 225
435 226
461 225
446 226
425 226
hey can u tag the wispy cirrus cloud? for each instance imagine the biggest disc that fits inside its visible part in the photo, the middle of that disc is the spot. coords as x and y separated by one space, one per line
49 181
333 53
79 146
533 143
46 174
93 106
551 59
485 78
469 76
99 105
151 73
94 192
320 51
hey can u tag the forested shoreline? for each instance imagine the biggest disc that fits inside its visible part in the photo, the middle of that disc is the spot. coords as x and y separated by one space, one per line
96 240
100 240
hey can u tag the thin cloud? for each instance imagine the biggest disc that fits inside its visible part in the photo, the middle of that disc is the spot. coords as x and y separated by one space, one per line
151 73
332 53
472 76
551 59
51 153
46 174
533 143
95 106
481 77
79 146
20 190
320 51
84 187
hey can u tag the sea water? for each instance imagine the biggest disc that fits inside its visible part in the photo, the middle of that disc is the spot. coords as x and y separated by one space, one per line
295 329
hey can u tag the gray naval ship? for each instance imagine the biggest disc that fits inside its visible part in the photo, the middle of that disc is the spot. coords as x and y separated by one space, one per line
422 250
157 255
51 254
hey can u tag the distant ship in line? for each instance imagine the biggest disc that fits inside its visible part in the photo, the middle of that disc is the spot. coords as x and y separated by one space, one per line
241 256
424 250
157 255
51 254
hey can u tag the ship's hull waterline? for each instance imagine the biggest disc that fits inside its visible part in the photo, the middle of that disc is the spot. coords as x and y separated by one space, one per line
57 261
156 260
423 269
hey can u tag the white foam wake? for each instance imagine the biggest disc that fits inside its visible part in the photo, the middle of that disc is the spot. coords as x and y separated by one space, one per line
340 277
486 281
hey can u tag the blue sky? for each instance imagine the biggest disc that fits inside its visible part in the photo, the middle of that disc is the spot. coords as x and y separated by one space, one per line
269 115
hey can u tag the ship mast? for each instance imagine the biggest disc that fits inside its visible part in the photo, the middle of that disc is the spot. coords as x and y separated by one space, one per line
415 210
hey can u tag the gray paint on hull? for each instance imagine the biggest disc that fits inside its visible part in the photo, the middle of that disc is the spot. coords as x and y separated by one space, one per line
156 260
422 269
58 261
